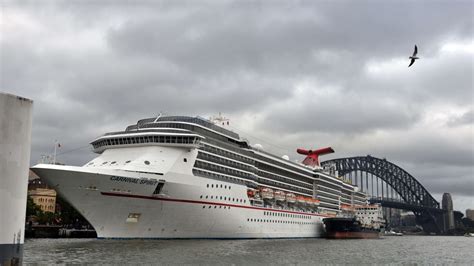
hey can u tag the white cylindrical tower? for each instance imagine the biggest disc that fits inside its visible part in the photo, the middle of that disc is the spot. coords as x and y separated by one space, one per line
15 148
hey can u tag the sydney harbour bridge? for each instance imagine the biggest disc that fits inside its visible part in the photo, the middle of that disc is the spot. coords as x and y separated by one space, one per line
392 187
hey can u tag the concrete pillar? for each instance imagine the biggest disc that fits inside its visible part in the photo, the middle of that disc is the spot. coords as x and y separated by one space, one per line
15 148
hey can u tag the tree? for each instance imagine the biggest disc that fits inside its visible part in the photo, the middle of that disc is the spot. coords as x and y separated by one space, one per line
68 215
31 208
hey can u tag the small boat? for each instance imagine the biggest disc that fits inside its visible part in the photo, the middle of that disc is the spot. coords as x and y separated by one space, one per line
348 228
392 233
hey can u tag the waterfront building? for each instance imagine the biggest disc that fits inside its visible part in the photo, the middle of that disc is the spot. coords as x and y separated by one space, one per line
45 198
41 194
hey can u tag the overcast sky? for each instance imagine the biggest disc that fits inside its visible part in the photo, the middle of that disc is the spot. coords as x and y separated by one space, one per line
288 74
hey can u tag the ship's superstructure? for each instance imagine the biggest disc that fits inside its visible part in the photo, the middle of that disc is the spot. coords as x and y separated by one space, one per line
187 177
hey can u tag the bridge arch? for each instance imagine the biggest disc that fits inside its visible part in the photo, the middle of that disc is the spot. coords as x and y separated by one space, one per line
414 196
410 190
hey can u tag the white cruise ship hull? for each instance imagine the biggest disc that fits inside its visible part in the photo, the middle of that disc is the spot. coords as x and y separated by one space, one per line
121 204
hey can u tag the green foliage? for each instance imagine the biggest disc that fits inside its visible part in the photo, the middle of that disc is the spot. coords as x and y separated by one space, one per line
46 218
31 208
68 214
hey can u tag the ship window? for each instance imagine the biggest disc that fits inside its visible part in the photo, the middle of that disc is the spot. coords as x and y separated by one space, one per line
128 161
147 162
104 163
185 160
113 162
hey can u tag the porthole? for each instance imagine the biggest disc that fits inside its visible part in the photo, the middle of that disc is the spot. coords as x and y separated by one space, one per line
114 162
185 160
128 161
147 162
104 163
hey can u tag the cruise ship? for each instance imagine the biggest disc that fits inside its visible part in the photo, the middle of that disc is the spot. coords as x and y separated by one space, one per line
190 177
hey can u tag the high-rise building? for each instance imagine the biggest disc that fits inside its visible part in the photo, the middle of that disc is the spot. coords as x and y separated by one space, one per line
470 214
447 204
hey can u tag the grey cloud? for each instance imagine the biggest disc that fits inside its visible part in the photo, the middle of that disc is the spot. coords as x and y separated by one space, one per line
465 119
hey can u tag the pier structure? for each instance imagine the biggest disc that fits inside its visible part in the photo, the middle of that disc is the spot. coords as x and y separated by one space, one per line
15 148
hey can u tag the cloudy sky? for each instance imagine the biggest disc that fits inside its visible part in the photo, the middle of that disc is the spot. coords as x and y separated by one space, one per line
288 74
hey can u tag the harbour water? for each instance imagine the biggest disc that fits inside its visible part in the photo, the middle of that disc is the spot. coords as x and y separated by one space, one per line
388 250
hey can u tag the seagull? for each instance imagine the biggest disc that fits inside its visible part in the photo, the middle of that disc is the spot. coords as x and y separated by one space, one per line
413 57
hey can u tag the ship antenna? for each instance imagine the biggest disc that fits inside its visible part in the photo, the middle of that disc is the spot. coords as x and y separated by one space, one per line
158 117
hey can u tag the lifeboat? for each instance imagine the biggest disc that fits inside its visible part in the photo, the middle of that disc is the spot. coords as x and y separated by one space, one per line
315 202
279 195
308 201
290 197
346 207
301 200
267 193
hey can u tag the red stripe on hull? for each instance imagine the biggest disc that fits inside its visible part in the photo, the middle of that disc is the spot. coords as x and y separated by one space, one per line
353 235
205 202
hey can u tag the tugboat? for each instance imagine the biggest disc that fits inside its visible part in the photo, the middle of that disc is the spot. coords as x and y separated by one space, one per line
360 222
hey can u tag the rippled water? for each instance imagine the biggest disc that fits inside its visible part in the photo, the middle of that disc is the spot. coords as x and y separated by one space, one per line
405 249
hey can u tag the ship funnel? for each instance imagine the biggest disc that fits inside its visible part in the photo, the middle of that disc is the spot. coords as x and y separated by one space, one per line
312 157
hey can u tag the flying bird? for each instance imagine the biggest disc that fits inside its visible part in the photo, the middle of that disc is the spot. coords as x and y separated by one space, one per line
413 57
